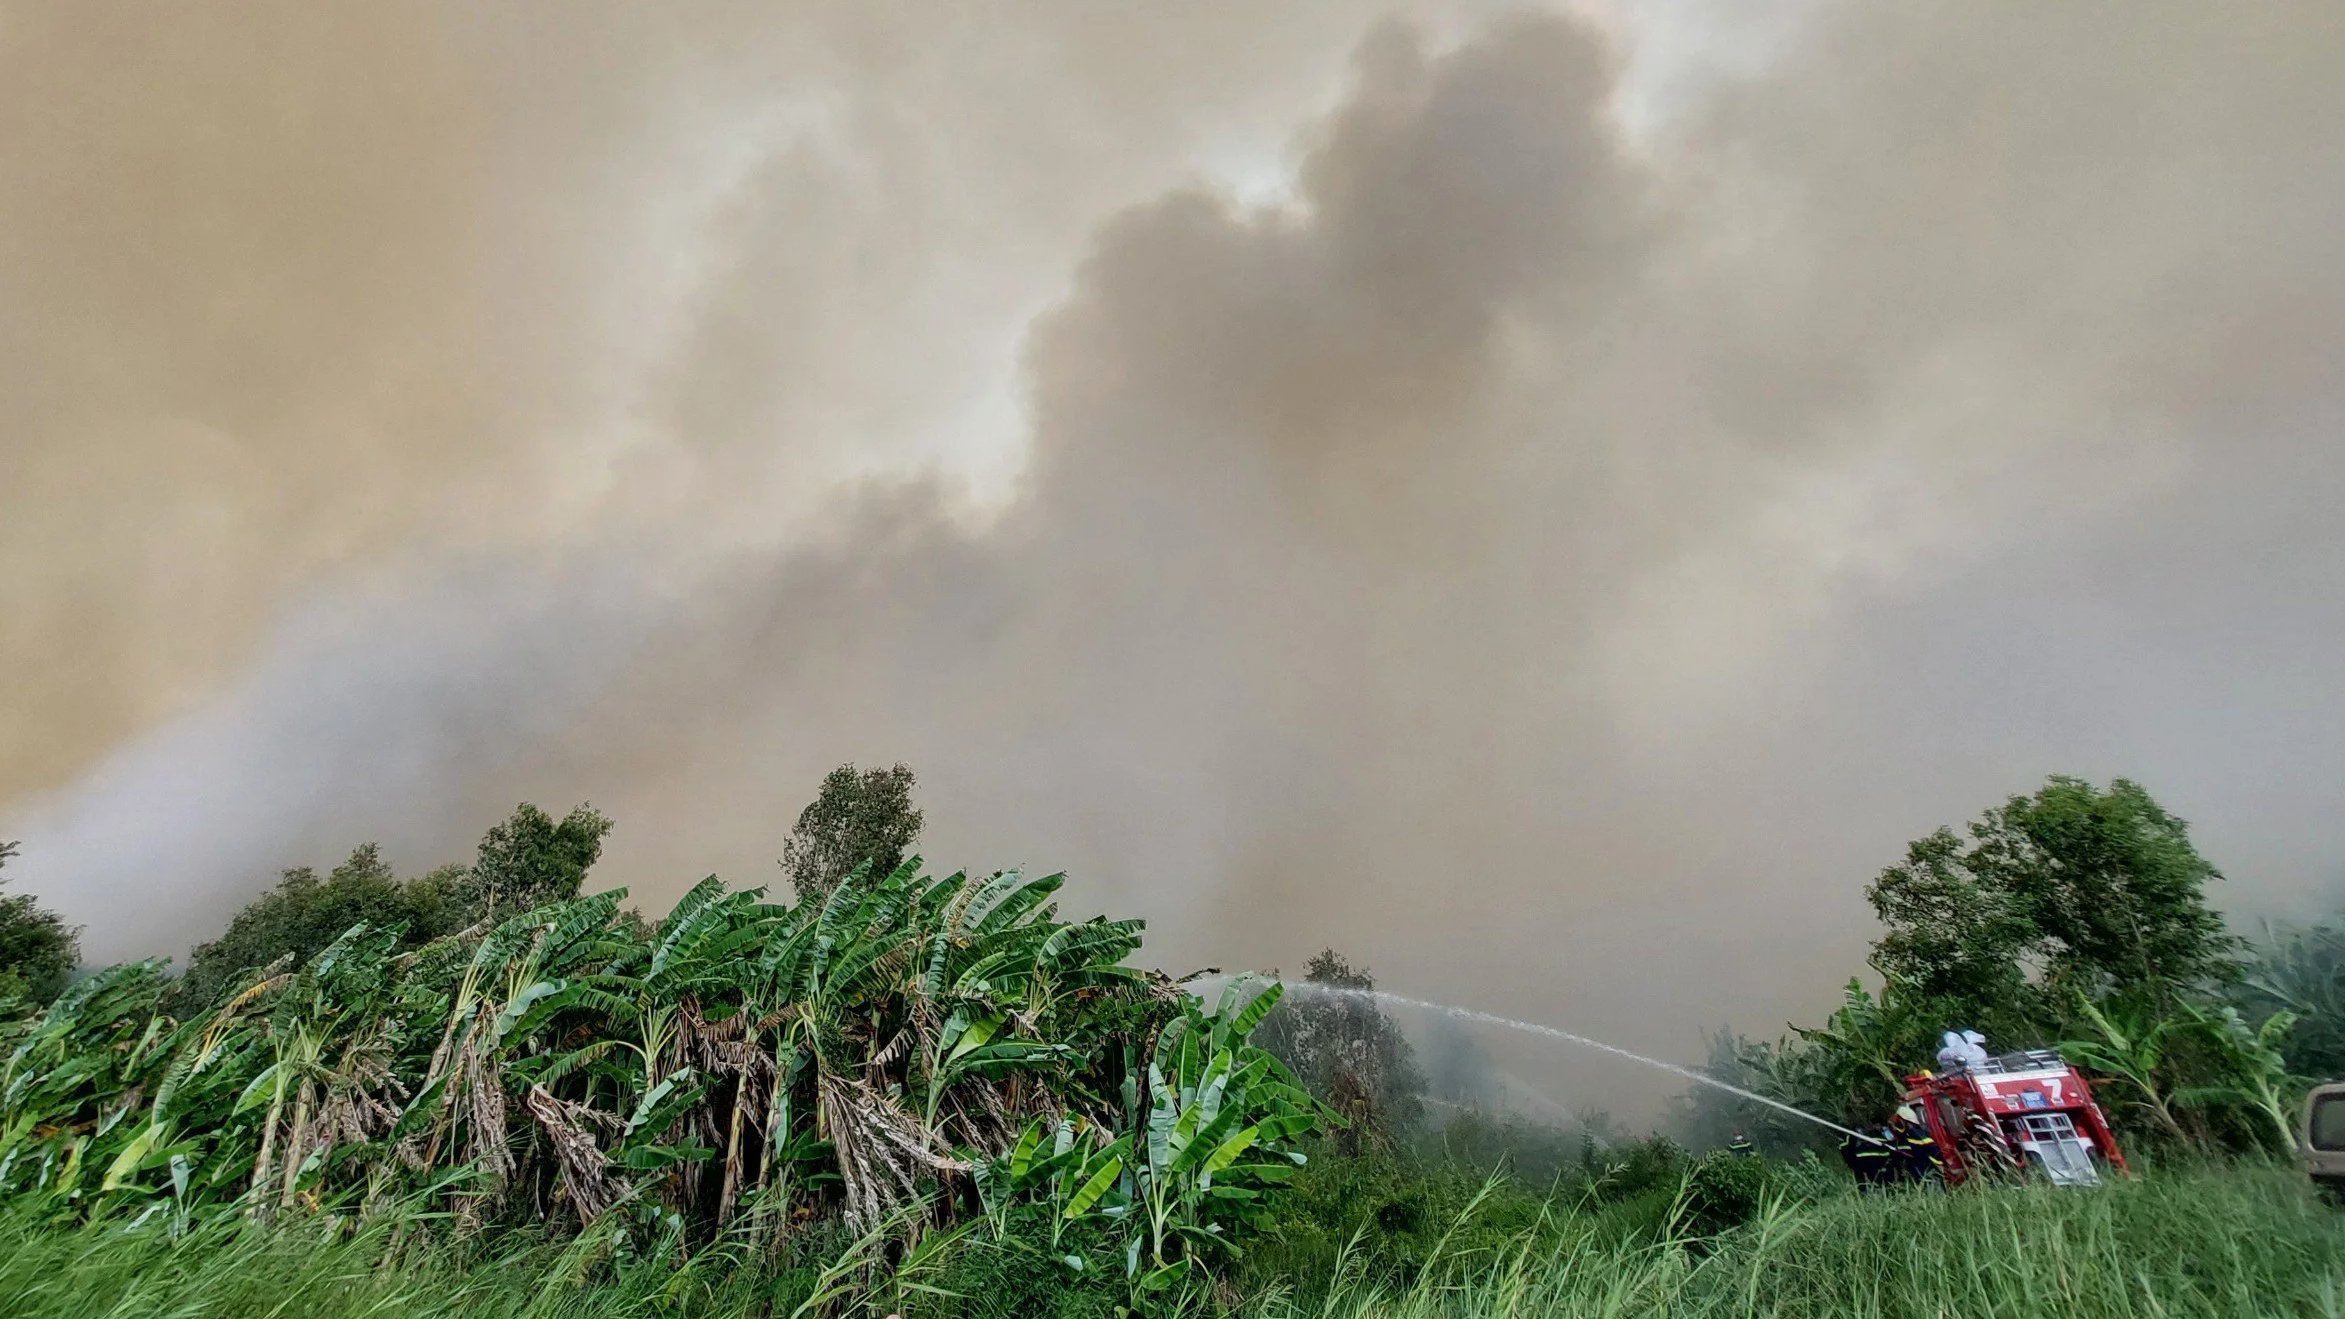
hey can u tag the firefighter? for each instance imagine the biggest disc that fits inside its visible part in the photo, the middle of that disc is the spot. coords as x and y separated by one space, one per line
1741 1146
1915 1148
1870 1159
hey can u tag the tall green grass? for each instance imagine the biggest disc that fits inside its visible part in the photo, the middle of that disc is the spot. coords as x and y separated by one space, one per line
231 1269
236 1269
2246 1244
2240 1244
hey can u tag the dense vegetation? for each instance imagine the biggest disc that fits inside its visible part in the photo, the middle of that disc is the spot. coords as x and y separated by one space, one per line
907 1050
934 1095
528 859
2075 918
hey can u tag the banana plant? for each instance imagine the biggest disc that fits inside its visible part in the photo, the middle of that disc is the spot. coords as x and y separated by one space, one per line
1069 1165
2301 969
2256 1070
966 1048
188 1133
1209 1131
72 1085
2132 1049
860 1055
1863 1051
1219 1112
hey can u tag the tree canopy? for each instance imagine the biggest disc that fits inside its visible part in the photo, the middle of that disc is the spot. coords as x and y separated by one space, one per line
305 913
2073 890
528 860
1347 1050
532 859
2073 918
38 950
856 818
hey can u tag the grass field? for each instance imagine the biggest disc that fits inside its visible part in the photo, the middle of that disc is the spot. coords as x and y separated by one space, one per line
2207 1244
2242 1243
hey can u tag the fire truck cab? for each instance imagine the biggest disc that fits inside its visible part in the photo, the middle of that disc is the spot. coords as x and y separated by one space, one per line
2020 1114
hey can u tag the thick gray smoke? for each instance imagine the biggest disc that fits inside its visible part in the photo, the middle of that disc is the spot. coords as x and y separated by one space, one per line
1537 503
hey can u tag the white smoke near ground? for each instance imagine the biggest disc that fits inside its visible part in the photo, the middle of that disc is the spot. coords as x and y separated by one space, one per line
420 702
1555 538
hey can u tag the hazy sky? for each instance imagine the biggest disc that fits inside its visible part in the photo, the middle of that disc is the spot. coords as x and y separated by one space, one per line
1545 501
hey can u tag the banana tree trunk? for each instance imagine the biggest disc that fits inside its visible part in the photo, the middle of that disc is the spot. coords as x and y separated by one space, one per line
300 1141
443 1058
773 1128
731 1193
260 1165
2161 1108
2275 1107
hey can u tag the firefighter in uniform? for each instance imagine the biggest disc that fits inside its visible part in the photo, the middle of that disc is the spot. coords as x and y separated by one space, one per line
1916 1150
1870 1159
1741 1146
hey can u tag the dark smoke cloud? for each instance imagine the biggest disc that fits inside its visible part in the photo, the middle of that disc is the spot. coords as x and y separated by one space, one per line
1554 547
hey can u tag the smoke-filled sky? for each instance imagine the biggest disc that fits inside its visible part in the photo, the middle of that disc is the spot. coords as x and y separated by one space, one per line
1547 502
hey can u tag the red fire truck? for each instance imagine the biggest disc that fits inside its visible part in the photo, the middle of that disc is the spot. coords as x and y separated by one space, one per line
2020 1114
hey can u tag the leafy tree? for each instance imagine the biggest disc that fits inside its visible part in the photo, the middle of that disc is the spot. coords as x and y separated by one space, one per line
2114 887
303 914
528 860
856 819
2096 891
38 950
438 903
1952 934
1707 1118
2076 915
1347 1050
532 859
1854 1065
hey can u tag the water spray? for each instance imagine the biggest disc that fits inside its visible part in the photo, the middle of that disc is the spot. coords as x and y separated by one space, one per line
1551 1032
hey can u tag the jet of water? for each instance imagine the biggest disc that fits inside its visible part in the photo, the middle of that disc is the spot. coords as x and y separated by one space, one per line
1551 1032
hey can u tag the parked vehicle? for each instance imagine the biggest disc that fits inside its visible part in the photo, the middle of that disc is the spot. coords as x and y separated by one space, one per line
2323 1143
